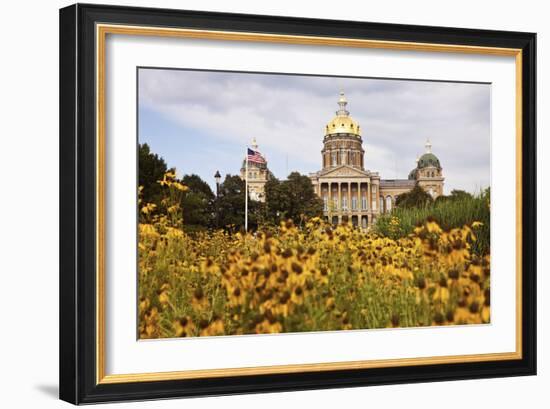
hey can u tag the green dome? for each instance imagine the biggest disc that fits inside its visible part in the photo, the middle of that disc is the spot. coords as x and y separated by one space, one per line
428 159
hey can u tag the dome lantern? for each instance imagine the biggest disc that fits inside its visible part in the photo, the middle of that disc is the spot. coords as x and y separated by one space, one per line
342 103
428 146
343 123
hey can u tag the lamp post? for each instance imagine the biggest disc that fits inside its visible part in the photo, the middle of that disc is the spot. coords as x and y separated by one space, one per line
218 178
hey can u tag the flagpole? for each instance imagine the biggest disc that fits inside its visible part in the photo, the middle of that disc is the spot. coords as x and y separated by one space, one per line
246 193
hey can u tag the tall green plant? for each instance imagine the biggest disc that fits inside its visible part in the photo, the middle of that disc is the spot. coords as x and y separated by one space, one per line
451 213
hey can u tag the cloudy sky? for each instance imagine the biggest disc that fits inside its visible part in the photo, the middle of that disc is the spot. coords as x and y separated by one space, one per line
201 121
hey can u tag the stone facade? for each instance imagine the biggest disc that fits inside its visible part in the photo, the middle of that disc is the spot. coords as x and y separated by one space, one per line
350 192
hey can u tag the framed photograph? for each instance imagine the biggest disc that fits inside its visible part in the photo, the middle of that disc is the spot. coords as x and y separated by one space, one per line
257 203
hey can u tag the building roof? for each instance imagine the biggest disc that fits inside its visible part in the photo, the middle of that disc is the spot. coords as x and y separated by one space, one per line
396 183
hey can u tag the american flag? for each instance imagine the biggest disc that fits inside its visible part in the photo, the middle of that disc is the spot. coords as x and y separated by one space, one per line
255 156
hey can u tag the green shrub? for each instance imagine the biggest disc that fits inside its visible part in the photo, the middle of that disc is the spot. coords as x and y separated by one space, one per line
450 213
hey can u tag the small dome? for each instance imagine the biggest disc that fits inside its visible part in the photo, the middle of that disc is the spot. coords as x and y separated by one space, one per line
428 159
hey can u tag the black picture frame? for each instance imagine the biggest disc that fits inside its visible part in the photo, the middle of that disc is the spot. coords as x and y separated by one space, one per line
78 368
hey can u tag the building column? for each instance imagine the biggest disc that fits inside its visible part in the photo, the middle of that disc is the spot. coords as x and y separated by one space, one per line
330 202
349 200
340 198
367 193
362 186
360 197
369 196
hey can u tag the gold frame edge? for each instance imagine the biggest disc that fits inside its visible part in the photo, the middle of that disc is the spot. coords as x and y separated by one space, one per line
101 32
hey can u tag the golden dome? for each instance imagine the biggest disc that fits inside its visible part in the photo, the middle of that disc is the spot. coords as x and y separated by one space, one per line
343 122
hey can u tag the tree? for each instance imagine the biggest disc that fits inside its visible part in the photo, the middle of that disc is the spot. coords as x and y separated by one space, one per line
151 169
293 199
277 201
456 194
460 194
417 197
230 205
197 202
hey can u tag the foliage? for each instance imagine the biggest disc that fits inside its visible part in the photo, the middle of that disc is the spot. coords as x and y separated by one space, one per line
151 169
455 211
230 206
202 210
293 198
455 195
172 194
197 203
312 278
415 198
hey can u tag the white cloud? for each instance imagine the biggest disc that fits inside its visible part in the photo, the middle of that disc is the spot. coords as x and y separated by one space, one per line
287 115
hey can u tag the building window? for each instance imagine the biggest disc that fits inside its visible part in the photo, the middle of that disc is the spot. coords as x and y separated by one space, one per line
333 158
335 202
364 203
388 204
344 203
325 203
381 204
354 203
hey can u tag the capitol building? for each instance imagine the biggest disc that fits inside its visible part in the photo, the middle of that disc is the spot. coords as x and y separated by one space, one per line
350 192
